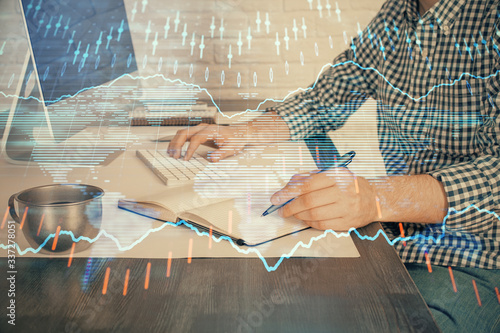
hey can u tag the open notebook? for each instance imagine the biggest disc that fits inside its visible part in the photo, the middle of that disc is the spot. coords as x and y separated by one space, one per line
230 196
238 218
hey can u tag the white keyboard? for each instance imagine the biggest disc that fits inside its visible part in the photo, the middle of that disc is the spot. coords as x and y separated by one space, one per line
170 170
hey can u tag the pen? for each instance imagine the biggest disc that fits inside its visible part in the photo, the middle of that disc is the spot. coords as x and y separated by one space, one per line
342 162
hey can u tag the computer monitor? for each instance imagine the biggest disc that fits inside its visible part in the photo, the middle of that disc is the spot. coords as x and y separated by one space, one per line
74 46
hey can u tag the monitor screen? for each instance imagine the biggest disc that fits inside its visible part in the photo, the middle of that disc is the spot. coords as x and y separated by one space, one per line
78 45
74 46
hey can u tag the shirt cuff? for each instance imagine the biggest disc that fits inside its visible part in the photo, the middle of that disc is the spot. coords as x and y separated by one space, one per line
471 198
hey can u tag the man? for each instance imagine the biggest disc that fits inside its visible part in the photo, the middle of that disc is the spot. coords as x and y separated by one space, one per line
434 68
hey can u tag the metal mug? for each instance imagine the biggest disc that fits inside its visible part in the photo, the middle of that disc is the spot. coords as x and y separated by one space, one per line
72 207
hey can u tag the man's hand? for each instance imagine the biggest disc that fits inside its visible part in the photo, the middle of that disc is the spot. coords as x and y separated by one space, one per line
268 128
338 199
335 199
230 140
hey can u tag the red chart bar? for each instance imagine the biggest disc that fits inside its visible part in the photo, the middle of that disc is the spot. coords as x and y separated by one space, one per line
125 285
148 272
106 280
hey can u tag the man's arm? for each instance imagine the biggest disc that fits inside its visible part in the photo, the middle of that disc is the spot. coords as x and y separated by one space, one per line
268 128
339 91
469 191
416 198
340 200
472 187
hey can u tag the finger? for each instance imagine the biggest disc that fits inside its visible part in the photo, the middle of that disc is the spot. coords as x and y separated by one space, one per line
320 213
310 200
302 184
225 151
195 141
175 146
177 142
291 190
335 224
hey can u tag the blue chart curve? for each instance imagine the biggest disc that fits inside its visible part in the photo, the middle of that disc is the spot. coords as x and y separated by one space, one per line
269 268
267 99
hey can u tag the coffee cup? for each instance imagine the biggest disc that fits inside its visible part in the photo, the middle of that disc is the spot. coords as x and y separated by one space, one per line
47 213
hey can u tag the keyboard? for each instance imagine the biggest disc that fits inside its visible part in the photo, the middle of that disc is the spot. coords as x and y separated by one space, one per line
170 170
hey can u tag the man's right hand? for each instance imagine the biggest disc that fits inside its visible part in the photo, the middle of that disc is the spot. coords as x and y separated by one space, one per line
268 128
230 140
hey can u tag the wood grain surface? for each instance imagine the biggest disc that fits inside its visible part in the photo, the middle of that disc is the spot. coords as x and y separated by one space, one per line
373 293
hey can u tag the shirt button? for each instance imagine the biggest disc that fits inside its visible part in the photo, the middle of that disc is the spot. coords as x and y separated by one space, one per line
446 29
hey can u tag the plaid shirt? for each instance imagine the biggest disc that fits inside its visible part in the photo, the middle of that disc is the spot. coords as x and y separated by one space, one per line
437 81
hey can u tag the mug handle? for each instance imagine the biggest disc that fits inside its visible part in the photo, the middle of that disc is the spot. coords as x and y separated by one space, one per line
12 209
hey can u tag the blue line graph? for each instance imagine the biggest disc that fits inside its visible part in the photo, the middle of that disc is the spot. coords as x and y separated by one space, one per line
267 99
269 268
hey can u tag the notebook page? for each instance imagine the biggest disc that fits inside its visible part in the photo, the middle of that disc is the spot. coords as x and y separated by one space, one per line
241 218
175 200
249 180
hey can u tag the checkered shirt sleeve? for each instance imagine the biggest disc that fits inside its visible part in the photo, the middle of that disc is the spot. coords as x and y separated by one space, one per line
339 90
436 79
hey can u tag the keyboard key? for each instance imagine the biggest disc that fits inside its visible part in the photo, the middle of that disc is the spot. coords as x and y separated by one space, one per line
170 170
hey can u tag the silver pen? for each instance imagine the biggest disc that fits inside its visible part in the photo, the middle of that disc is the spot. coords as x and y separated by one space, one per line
342 162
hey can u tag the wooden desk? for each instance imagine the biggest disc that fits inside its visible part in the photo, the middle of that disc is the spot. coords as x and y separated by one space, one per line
370 293
373 293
